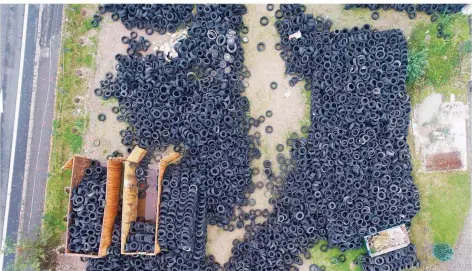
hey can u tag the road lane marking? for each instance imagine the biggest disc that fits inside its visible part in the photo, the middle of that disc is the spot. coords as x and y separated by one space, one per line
40 139
15 132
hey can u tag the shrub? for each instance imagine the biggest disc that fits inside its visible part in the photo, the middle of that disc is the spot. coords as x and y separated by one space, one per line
30 251
443 252
417 63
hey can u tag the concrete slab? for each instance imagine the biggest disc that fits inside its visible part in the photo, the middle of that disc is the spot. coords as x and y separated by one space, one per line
440 133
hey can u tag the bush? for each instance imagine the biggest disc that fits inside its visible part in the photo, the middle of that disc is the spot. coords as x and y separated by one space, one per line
30 251
417 63
443 252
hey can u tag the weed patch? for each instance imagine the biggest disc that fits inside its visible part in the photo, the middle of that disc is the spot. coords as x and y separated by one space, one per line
69 123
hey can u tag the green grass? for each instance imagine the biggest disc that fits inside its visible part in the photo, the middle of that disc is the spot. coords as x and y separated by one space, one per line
306 95
324 258
444 57
445 200
448 201
69 125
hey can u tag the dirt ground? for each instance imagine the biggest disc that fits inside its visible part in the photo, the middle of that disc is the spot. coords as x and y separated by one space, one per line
290 111
290 105
108 45
287 104
389 19
68 263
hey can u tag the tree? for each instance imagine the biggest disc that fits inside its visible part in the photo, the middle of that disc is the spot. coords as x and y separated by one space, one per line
443 252
30 251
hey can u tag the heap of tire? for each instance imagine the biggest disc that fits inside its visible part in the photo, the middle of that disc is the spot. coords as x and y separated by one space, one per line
151 17
182 239
353 172
350 177
141 237
182 225
194 101
88 206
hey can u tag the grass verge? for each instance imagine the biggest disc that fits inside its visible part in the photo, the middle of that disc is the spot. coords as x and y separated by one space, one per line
445 200
327 258
437 64
69 121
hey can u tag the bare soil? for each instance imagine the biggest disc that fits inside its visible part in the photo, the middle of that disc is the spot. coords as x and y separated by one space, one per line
290 105
389 19
287 103
108 45
68 263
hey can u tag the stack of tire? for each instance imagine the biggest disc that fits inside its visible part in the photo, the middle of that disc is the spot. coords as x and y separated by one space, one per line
353 172
151 17
141 237
195 100
88 205
175 255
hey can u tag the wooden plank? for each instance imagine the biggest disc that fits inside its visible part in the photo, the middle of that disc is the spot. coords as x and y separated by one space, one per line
112 201
170 159
136 155
130 202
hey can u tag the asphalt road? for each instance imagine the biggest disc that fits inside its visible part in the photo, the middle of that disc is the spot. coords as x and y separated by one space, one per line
30 171
11 28
42 117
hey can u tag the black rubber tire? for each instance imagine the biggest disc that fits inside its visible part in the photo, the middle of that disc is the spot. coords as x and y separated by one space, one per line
261 47
98 92
278 46
270 7
268 113
102 117
269 129
264 21
273 85
280 147
324 248
375 15
279 14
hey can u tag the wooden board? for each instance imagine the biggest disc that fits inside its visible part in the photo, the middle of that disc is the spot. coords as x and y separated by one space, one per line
112 203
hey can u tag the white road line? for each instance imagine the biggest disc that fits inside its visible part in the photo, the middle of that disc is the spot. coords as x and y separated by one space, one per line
15 132
30 128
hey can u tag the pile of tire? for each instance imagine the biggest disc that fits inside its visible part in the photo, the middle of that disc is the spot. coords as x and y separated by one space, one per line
400 259
353 172
88 205
195 100
151 17
181 233
141 237
182 223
